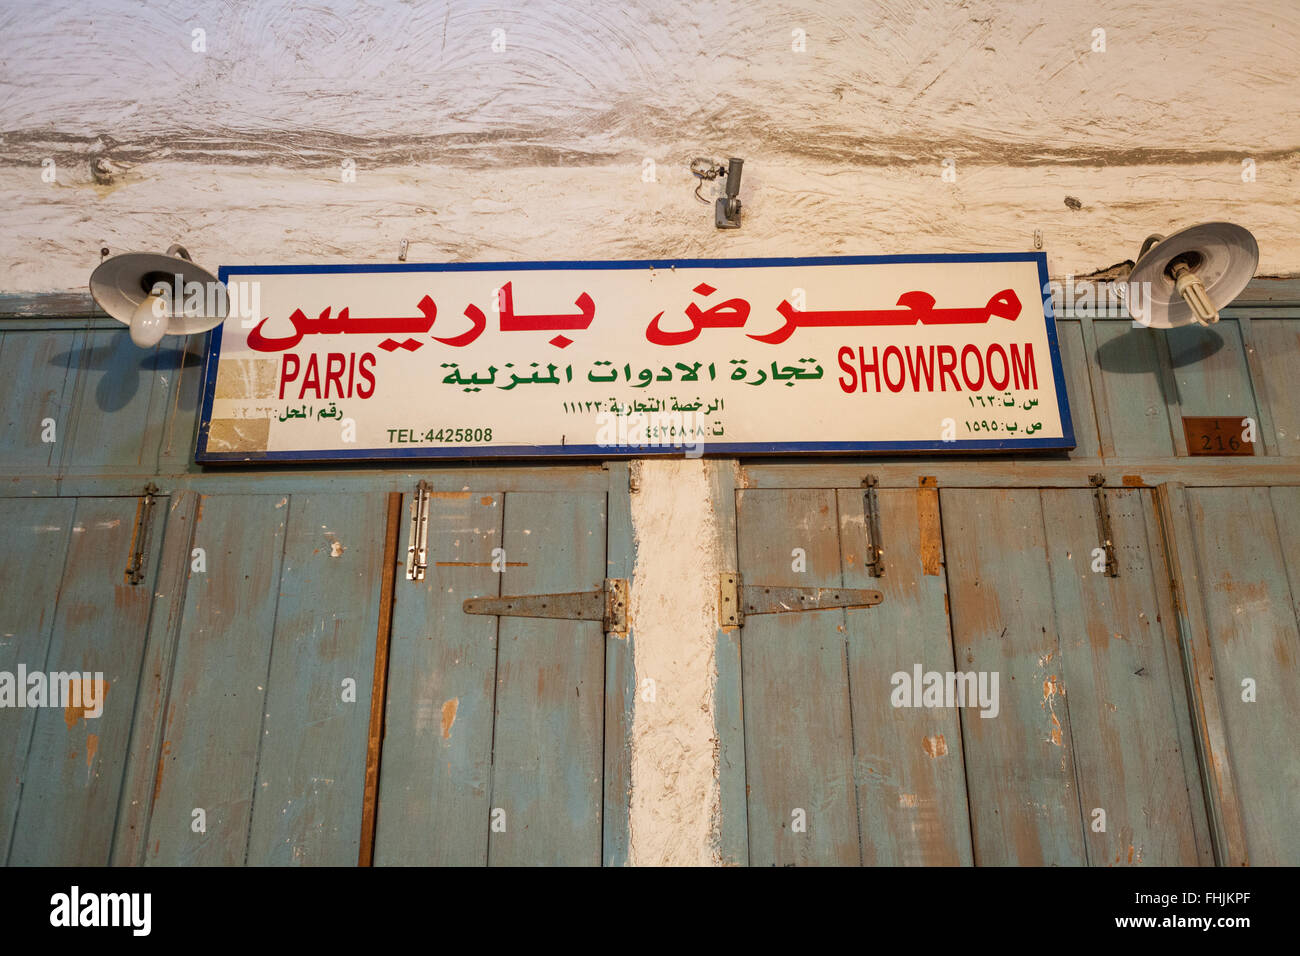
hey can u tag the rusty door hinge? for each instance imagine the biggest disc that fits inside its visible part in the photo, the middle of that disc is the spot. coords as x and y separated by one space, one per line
1098 483
134 573
608 605
737 599
871 511
417 540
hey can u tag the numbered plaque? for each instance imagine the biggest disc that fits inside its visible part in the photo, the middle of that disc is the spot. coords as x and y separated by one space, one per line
1217 436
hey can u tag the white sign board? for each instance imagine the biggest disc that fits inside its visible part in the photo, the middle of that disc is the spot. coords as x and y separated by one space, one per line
600 359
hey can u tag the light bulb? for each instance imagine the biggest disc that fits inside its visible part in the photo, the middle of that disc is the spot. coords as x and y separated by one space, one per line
1188 284
149 321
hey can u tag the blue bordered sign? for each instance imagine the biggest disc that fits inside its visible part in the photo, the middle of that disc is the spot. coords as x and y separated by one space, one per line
852 354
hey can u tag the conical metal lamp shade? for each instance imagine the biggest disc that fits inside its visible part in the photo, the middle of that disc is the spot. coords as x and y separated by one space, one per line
119 284
1224 256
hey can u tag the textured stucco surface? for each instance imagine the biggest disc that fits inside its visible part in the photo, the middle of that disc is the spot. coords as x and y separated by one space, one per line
537 150
673 615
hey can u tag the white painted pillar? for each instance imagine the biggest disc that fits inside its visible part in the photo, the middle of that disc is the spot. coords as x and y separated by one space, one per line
673 608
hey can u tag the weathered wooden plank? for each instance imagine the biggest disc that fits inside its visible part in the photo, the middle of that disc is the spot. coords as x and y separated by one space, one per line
1266 431
1133 378
435 774
728 696
114 387
281 479
1078 389
1254 638
213 727
1127 746
547 747
798 724
174 562
1097 388
32 559
1186 577
175 407
908 760
1269 290
1210 368
1277 352
1021 473
43 306
76 761
35 386
1020 772
379 683
951 472
1266 312
1182 697
620 677
1168 378
1286 511
311 768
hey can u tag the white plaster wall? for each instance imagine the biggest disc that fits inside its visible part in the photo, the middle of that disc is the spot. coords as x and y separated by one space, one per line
536 151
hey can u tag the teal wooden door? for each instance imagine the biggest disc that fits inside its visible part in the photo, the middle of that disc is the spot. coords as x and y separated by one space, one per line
69 608
835 774
87 402
261 714
37 373
1086 754
493 733
1245 543
1091 759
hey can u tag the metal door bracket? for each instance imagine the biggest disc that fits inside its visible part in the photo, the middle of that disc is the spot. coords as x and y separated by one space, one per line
417 542
140 536
736 599
729 612
871 511
1098 483
608 605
